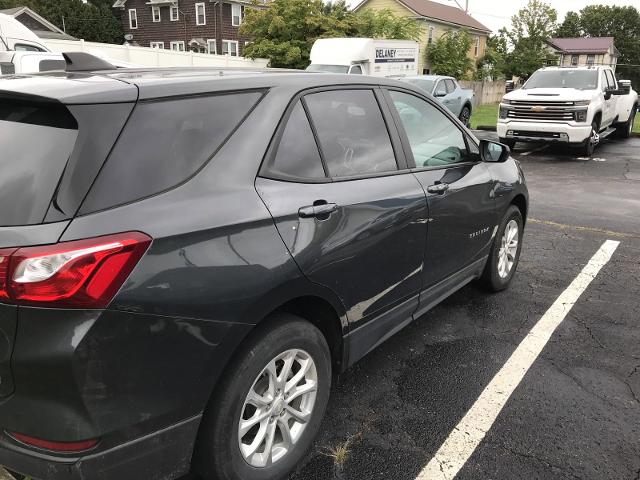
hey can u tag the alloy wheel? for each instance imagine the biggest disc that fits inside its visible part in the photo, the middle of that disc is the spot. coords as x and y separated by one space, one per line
508 249
278 408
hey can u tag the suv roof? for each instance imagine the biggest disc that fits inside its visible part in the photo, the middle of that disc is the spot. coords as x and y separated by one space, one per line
129 85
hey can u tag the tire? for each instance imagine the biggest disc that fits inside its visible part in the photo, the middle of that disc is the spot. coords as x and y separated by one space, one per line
494 277
624 129
465 116
218 454
508 142
589 145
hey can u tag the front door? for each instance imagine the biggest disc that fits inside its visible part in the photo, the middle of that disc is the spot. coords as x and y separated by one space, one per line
351 216
459 187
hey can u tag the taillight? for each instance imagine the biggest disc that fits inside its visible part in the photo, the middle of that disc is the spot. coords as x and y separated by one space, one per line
78 274
62 447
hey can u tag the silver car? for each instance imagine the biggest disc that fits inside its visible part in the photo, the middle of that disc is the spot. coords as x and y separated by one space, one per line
448 92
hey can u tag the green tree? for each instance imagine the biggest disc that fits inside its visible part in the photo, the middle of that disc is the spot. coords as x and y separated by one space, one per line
93 22
285 30
530 28
621 23
449 54
492 64
570 27
385 24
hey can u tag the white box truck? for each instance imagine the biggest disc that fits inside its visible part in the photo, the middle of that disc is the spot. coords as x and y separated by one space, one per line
367 56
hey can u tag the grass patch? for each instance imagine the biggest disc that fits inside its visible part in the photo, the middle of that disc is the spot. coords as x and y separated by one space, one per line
636 126
485 115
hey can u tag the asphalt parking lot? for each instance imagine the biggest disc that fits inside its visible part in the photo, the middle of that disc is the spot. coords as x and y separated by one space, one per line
576 412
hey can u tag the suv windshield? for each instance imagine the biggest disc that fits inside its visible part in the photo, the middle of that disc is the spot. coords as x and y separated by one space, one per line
578 79
35 144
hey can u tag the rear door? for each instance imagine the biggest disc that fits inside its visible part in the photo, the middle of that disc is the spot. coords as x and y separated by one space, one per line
462 216
348 211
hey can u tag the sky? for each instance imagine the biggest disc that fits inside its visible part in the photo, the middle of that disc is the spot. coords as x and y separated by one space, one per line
496 14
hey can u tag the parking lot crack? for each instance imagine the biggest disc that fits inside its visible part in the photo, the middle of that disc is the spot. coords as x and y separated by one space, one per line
538 459
582 386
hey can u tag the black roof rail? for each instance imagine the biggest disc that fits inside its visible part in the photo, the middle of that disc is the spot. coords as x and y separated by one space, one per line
85 62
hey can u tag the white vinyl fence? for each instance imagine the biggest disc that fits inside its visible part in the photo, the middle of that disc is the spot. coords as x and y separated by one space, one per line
485 92
149 57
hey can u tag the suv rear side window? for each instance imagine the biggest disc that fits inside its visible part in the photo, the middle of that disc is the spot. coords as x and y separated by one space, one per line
352 132
35 144
164 143
297 155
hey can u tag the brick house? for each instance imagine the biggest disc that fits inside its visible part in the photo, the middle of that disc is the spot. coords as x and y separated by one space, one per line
203 26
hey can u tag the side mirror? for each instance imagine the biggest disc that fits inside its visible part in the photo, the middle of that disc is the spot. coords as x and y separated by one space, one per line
607 94
494 152
440 94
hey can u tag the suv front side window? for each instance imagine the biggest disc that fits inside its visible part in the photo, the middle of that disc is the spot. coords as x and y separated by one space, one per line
352 133
434 139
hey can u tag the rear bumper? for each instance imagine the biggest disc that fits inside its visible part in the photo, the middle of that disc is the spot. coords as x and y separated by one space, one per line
543 132
163 455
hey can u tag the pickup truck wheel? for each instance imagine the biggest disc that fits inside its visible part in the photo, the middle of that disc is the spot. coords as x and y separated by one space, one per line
465 116
267 411
624 129
590 143
508 142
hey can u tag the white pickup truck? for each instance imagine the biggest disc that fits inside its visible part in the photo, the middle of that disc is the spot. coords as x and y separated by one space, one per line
577 106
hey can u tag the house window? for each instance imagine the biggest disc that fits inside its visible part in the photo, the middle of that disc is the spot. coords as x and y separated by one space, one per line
574 60
236 14
431 32
591 59
200 14
175 14
177 46
155 14
133 19
157 45
477 46
212 47
230 47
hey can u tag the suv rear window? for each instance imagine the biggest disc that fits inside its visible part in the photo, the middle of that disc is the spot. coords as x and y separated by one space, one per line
164 143
35 144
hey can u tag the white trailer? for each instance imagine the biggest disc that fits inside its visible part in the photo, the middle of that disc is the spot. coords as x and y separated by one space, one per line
368 56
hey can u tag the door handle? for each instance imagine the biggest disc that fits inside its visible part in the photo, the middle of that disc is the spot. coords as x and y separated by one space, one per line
321 210
438 188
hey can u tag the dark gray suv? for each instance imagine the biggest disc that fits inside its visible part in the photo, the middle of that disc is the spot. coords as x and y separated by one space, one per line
187 256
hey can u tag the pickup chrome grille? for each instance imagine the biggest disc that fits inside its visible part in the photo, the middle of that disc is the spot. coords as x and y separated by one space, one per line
541 110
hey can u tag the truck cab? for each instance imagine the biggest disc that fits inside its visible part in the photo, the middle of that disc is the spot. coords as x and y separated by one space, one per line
14 36
577 106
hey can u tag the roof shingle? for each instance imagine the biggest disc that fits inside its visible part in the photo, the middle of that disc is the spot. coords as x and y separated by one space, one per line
582 44
444 13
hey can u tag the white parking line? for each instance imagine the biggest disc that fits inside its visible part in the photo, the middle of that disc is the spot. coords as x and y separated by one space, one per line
470 431
529 152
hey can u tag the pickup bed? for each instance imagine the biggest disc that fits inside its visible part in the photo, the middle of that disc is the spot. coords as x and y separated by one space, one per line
576 106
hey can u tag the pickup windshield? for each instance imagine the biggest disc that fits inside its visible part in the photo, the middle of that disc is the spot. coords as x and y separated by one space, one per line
578 79
426 85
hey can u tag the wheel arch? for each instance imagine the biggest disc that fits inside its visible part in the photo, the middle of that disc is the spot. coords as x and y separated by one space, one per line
521 202
597 117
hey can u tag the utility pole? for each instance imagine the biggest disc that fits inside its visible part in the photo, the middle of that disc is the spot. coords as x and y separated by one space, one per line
466 6
64 28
